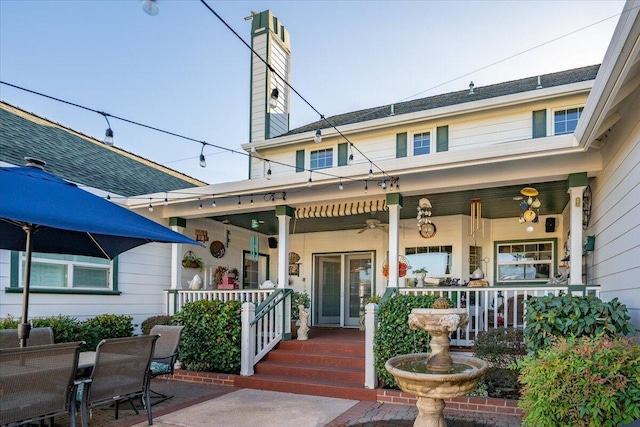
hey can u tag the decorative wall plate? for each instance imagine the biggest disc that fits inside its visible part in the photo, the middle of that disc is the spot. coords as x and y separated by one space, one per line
428 230
217 249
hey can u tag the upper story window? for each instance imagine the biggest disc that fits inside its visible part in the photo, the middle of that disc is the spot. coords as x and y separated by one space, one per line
321 159
67 271
565 121
421 143
525 261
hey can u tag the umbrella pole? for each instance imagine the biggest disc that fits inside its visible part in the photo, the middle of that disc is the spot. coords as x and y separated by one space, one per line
24 328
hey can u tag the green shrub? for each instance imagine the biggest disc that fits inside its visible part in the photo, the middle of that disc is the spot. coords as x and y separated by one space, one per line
585 381
152 321
210 340
503 348
104 326
565 315
394 337
65 328
299 298
9 323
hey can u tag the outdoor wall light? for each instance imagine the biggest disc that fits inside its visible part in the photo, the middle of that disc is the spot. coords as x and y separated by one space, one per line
150 7
273 99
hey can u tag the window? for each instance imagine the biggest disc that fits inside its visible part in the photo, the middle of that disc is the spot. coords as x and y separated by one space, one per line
321 159
67 271
525 261
254 271
435 259
421 143
475 259
565 121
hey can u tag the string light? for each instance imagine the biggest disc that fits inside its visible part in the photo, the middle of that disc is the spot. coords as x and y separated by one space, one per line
239 202
166 200
350 153
108 196
370 170
310 181
252 200
340 187
150 205
203 161
273 99
384 184
108 134
318 138
213 201
199 203
366 186
269 171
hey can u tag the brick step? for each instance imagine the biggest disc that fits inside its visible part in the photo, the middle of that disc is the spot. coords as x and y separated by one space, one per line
306 371
356 348
304 358
313 387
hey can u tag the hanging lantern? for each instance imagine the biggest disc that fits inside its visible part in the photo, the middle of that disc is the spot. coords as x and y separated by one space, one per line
475 222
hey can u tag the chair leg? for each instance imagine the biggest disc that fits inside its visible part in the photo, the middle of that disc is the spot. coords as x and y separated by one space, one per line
148 405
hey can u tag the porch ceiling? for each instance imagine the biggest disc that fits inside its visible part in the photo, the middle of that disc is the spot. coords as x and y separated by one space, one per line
496 203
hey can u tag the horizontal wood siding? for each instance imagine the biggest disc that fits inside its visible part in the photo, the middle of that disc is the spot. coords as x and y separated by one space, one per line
614 216
279 116
258 90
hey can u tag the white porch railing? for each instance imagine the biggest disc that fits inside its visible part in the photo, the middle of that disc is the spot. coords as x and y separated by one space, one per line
488 308
177 298
264 327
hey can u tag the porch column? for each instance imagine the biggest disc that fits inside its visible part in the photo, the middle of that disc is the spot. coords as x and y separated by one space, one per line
284 214
178 225
394 204
577 183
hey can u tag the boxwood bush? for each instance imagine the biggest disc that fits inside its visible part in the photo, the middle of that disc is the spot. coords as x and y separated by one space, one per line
210 340
97 328
394 337
585 381
152 321
564 315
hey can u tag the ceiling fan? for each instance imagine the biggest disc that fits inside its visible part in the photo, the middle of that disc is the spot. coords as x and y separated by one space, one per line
373 224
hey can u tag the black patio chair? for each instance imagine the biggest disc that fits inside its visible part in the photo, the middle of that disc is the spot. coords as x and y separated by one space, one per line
164 355
120 374
37 383
37 336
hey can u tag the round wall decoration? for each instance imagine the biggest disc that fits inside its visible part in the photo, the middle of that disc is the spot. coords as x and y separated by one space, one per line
427 230
217 249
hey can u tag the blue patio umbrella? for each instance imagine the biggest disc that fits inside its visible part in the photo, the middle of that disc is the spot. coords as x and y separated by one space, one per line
40 212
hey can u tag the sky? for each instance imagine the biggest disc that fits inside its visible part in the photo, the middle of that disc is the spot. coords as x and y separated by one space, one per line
185 72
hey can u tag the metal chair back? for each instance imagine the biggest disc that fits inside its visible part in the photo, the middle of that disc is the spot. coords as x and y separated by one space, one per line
167 344
37 382
37 336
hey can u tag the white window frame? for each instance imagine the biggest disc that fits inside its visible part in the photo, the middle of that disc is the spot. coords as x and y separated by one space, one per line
411 143
553 117
524 261
70 265
334 151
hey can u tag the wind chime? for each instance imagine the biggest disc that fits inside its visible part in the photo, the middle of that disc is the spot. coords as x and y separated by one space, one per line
254 241
475 221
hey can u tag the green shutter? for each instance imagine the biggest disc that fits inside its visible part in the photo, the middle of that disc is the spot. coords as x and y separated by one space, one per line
442 138
300 161
539 124
343 154
401 145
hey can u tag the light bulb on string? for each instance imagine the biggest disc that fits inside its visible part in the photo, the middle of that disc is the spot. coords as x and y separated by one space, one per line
239 202
150 206
366 187
370 170
310 181
199 204
203 161
340 186
108 134
318 137
269 171
166 200
251 200
273 99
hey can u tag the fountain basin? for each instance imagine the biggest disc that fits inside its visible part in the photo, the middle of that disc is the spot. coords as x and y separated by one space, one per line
437 385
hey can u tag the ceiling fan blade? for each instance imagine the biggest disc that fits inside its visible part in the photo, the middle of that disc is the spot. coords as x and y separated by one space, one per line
363 230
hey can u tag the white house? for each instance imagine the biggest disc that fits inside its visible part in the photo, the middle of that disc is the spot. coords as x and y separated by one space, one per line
326 216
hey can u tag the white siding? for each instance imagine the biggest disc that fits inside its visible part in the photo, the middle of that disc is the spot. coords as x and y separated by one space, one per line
258 89
615 213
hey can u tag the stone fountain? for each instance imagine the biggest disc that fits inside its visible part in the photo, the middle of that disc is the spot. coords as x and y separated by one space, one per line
438 375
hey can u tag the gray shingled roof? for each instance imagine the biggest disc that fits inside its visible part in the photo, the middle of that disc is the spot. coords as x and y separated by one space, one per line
78 159
460 97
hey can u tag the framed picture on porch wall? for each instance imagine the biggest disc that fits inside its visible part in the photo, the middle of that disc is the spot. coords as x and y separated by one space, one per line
294 269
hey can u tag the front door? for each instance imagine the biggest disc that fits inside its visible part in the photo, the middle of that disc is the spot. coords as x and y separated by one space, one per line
343 282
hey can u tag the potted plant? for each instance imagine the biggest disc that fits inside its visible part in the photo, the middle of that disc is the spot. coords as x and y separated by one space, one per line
190 260
420 274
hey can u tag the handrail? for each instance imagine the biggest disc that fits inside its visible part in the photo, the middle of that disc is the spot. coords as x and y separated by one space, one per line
269 304
389 292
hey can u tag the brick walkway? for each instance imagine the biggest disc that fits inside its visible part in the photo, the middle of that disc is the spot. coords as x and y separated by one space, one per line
363 414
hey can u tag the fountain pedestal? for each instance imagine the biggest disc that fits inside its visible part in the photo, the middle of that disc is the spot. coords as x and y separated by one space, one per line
438 375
